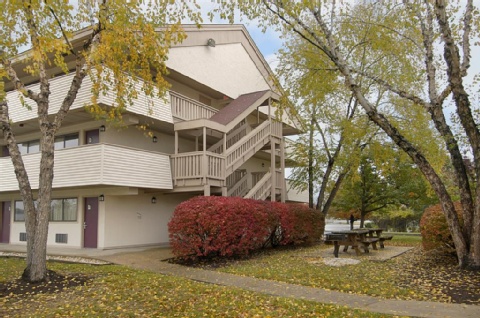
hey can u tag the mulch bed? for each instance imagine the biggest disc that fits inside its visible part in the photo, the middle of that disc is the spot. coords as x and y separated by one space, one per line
55 283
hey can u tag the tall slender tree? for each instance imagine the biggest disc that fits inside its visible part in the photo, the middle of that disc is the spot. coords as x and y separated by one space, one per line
124 43
328 112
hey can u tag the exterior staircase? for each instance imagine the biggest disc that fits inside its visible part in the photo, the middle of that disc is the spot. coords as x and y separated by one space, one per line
217 166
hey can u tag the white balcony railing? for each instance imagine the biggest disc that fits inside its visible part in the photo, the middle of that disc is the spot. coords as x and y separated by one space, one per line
191 166
189 109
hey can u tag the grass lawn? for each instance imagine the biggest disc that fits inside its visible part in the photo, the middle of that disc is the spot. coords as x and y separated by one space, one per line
414 275
298 267
117 291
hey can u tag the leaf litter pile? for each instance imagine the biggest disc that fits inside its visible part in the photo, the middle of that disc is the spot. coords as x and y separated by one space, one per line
439 275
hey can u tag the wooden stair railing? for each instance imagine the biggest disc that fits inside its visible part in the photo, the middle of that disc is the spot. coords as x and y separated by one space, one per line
233 136
237 185
262 189
247 147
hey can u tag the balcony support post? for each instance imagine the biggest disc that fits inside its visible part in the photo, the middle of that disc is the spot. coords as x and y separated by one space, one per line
272 168
176 142
205 161
206 190
224 143
282 169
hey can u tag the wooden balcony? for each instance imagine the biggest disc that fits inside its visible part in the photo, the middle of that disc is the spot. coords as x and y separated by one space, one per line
185 108
198 168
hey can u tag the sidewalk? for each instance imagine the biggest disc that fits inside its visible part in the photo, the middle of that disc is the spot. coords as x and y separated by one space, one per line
151 259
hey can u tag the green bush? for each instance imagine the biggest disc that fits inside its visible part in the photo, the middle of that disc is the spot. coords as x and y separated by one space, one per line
434 228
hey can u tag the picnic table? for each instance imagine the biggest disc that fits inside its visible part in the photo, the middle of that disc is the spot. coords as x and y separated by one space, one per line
355 238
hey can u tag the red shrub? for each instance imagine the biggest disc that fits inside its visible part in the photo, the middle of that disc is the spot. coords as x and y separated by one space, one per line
209 226
434 228
308 224
224 226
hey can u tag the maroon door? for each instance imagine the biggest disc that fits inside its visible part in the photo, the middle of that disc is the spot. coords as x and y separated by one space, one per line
90 225
92 137
5 223
5 152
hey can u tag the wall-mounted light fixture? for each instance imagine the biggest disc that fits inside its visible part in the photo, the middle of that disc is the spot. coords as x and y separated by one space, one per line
154 200
102 128
101 198
263 164
154 139
211 42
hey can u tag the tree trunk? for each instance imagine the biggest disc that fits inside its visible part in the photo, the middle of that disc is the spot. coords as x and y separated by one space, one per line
455 73
36 269
310 165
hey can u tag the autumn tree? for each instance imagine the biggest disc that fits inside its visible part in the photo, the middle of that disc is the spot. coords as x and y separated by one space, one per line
329 115
410 32
125 43
384 182
366 190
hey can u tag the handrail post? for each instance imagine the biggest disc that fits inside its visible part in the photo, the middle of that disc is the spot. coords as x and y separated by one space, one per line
282 169
205 163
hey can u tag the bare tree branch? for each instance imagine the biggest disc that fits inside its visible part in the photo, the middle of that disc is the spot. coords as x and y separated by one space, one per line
17 83
415 99
467 27
70 46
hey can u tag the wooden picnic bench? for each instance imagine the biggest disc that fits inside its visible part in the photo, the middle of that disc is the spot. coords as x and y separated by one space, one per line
355 239
377 233
370 240
384 238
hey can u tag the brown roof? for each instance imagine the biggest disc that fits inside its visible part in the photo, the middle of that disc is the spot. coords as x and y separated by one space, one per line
236 107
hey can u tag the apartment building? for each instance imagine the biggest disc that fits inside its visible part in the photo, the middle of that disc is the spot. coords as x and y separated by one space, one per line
214 133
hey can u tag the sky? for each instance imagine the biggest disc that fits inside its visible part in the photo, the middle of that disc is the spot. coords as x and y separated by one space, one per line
269 42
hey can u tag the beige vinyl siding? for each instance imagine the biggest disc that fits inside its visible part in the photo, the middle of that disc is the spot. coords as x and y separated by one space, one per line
58 87
99 164
139 168
157 108
153 107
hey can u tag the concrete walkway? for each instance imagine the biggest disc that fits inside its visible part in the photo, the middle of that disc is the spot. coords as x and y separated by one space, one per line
151 259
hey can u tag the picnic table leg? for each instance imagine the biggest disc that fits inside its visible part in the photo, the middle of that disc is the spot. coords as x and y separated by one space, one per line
381 244
357 250
374 245
345 248
336 248
365 248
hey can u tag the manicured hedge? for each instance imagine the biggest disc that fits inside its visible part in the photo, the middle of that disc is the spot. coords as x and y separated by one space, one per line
434 228
228 226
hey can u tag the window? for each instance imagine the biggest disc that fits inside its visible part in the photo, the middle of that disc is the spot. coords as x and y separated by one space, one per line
61 142
19 211
63 210
29 147
66 141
